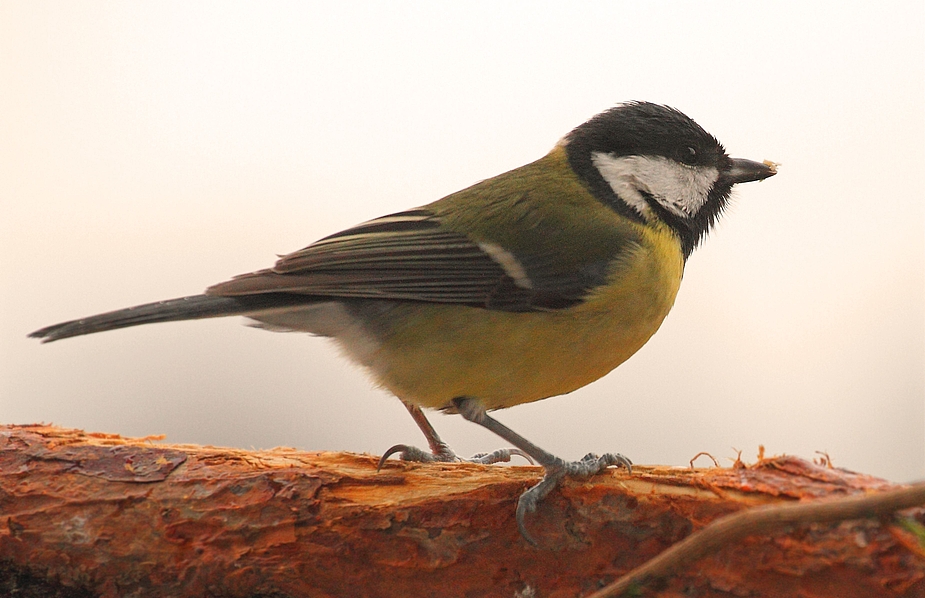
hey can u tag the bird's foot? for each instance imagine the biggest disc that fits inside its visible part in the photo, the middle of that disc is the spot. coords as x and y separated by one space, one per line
444 454
588 466
499 456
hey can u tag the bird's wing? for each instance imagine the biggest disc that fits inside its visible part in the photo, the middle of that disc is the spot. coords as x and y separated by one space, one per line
412 256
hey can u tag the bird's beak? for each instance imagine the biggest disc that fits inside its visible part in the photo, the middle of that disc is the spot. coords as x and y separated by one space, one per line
745 171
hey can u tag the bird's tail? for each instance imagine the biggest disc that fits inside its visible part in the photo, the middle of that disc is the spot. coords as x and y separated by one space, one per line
185 308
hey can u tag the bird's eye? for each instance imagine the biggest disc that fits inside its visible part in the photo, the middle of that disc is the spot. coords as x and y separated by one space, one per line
687 155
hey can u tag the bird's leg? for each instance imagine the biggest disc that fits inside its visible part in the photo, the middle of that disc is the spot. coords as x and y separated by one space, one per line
441 451
556 468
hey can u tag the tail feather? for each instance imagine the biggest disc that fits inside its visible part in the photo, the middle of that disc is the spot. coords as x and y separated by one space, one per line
184 308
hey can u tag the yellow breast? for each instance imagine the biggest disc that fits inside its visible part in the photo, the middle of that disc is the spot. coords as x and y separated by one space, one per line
435 353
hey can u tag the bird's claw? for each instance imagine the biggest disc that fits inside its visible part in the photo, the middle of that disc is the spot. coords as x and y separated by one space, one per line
413 453
499 456
587 466
592 464
446 455
529 499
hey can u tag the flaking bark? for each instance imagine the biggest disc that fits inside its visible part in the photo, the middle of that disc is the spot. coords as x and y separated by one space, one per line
109 516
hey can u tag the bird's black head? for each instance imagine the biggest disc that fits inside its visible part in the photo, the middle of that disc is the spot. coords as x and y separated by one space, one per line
648 161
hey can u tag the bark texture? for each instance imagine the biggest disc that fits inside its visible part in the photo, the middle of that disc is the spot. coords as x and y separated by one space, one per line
101 515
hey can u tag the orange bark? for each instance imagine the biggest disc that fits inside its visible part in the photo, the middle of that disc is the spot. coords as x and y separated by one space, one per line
114 516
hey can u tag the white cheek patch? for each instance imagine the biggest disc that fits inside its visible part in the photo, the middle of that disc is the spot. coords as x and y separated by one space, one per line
679 188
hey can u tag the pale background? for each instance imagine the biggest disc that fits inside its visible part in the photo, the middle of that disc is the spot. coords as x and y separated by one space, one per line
148 150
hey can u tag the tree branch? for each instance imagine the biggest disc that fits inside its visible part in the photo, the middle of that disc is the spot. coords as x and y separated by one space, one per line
763 521
107 516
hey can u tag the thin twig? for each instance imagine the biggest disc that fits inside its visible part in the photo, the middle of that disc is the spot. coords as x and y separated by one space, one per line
763 520
701 454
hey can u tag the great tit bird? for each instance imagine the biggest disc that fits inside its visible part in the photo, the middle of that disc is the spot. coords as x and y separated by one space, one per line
521 287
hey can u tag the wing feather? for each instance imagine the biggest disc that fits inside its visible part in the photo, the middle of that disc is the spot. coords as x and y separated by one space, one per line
411 256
